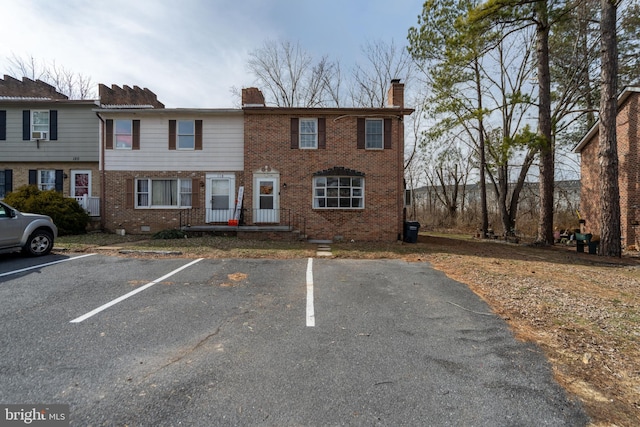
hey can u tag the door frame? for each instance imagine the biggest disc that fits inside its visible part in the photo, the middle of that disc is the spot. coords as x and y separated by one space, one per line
211 215
72 188
271 216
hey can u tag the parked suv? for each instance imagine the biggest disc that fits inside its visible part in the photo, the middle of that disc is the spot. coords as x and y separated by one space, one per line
31 233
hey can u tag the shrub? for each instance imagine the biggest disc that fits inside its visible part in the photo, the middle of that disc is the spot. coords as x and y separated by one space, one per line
66 213
169 234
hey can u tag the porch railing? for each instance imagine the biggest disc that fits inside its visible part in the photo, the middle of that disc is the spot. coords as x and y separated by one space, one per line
282 217
89 204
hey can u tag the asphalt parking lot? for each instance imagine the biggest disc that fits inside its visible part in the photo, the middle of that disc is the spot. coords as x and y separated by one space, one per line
169 342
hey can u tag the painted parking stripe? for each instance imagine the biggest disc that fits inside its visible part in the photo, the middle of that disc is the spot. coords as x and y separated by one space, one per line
132 293
311 316
9 273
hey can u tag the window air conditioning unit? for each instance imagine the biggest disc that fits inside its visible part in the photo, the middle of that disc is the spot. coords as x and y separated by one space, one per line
38 135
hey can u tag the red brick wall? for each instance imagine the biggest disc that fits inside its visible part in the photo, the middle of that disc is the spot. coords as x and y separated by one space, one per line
268 145
119 216
628 139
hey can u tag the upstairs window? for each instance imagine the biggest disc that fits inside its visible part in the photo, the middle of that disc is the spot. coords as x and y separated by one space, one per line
39 125
123 134
308 133
186 134
374 133
338 192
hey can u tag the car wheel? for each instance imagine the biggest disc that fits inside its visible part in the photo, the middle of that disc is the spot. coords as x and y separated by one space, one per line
39 243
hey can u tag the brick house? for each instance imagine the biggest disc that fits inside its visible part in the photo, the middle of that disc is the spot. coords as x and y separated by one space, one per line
336 173
48 140
162 167
628 144
339 169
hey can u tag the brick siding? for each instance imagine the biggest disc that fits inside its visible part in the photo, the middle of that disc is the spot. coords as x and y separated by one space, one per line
628 144
268 148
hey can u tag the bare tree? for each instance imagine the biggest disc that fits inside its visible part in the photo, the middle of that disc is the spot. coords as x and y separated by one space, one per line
290 78
382 63
74 85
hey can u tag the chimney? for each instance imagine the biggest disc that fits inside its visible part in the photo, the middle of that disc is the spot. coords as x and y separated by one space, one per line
252 97
128 96
396 94
26 87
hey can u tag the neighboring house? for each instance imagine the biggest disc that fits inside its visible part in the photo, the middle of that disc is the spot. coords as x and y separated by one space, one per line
163 168
338 171
628 145
48 140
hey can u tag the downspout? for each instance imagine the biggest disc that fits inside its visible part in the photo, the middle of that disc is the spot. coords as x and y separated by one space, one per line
101 171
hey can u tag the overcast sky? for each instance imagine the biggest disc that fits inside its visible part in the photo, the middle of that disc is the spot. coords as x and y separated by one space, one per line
191 52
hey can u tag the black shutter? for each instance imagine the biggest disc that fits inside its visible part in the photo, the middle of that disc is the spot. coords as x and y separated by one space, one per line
361 134
26 125
136 135
198 136
8 181
294 133
322 133
108 134
172 134
53 125
3 125
59 180
33 177
387 134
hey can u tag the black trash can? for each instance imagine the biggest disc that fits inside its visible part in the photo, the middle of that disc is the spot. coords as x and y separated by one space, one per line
411 231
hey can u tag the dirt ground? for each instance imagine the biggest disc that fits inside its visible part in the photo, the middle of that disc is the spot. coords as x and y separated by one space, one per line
582 310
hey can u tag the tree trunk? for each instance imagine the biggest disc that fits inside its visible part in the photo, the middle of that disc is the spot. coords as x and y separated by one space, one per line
545 223
610 242
481 148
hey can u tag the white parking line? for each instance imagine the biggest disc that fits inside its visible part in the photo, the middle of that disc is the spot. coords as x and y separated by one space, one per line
9 273
132 293
311 317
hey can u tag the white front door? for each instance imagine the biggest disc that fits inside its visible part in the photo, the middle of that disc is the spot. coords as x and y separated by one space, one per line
220 193
80 183
266 199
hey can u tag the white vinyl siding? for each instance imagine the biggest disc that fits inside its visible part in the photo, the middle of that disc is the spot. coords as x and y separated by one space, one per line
222 146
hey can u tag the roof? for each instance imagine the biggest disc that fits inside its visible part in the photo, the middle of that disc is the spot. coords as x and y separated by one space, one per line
30 99
626 93
150 111
346 112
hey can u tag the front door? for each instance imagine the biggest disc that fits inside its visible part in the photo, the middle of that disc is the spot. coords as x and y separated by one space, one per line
220 194
267 200
80 183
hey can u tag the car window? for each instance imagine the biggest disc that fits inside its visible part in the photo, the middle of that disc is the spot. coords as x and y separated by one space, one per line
3 212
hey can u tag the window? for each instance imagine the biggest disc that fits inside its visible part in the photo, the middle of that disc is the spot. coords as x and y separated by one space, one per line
374 133
39 125
123 134
308 133
186 135
338 192
47 180
152 193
